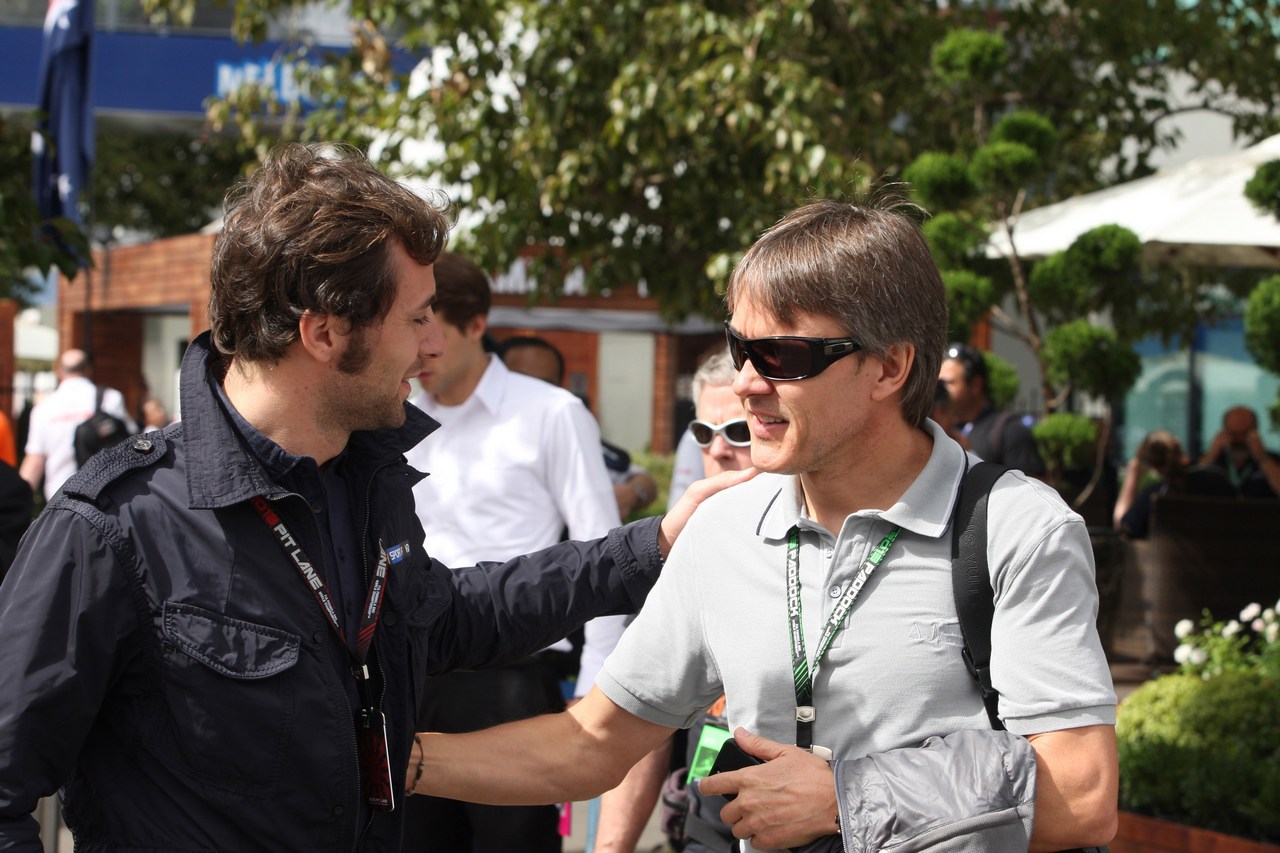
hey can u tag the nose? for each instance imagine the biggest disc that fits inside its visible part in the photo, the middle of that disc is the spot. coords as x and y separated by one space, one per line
432 344
748 383
720 449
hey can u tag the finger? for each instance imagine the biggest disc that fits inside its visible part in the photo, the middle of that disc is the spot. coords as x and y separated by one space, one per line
760 747
674 521
729 782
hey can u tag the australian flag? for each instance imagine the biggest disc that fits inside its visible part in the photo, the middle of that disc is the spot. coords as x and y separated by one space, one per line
63 144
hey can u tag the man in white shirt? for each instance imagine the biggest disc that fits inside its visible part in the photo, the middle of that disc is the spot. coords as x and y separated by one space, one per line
50 454
515 463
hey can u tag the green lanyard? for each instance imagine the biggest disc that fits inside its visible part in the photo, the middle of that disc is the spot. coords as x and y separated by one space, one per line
805 713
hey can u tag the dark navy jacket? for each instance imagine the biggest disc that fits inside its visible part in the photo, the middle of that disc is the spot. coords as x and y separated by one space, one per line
163 663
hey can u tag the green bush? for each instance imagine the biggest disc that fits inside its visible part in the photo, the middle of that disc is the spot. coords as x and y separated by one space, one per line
1002 380
1202 746
660 467
1263 189
1066 441
1205 753
1262 329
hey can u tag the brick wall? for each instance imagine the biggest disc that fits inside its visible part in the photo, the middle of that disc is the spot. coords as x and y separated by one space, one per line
8 313
172 273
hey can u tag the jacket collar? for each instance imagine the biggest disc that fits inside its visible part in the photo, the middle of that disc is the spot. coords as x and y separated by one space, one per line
220 469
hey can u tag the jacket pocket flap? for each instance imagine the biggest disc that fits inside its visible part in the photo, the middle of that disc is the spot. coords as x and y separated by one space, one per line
230 646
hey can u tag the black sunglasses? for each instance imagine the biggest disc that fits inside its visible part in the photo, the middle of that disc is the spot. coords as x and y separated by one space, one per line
787 357
737 433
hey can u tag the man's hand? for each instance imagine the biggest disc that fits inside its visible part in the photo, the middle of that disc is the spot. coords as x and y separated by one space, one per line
1221 442
674 521
788 801
1257 449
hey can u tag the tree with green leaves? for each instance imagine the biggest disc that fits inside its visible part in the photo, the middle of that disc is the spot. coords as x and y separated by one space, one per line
28 243
162 183
1078 311
654 140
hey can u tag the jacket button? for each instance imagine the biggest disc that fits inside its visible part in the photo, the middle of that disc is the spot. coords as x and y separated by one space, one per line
142 445
318 636
337 811
389 618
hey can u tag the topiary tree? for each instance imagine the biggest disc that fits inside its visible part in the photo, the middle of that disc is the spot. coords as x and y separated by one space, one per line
1263 189
1262 330
1080 311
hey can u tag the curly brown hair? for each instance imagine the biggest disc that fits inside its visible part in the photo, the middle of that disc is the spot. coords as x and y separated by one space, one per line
309 231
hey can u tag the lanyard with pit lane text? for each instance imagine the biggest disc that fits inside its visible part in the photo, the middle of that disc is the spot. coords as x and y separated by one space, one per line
805 713
371 734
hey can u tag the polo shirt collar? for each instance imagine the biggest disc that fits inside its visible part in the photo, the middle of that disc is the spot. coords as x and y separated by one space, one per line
924 509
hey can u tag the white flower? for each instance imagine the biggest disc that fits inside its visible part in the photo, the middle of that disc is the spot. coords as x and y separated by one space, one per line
1198 656
1231 628
1258 625
1250 612
1273 631
1182 653
1269 615
1183 629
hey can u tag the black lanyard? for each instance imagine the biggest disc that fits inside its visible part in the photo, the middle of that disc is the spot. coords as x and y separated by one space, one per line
805 713
371 733
306 569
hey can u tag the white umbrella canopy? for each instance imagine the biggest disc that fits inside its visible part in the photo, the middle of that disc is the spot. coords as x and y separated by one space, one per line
1193 214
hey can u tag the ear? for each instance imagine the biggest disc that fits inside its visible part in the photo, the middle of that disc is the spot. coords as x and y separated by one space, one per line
894 367
476 327
324 337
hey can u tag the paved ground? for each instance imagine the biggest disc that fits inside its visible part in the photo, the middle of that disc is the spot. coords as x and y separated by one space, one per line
577 841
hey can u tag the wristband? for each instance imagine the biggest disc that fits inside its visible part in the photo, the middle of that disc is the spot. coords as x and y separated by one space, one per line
417 773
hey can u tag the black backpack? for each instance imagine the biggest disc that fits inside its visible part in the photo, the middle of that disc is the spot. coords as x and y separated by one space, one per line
99 432
971 585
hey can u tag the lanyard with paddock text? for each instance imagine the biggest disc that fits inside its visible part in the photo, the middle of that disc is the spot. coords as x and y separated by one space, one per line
375 762
805 712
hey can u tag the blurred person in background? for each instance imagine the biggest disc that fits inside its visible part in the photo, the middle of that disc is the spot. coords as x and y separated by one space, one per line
994 435
723 437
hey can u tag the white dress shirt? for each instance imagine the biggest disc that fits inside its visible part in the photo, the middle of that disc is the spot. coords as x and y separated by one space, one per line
509 469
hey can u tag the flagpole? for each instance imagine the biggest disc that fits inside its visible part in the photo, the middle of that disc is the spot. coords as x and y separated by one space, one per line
87 319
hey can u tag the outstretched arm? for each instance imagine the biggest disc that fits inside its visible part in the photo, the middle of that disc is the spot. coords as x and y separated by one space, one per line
571 756
674 521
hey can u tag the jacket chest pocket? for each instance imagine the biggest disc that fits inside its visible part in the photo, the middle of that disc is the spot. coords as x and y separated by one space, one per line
229 689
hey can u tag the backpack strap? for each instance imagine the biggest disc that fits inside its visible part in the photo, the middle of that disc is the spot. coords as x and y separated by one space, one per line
971 578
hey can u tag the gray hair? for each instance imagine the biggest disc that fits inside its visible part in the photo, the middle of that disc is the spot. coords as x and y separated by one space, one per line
717 370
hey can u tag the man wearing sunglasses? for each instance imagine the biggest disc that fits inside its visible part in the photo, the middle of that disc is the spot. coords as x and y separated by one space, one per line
994 435
818 596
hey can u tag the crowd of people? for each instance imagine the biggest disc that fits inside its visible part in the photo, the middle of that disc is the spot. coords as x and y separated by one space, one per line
321 612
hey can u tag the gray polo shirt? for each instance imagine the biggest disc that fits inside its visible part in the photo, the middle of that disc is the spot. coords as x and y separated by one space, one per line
717 619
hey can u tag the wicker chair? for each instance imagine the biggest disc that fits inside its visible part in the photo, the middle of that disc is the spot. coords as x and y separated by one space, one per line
1202 553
